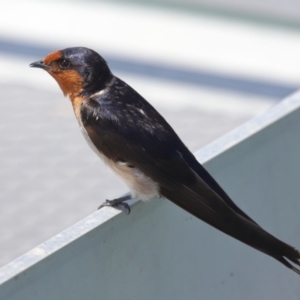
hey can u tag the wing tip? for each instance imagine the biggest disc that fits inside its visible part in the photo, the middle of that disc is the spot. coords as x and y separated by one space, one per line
285 261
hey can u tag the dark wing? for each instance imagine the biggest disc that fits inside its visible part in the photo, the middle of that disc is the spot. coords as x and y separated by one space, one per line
133 137
165 136
210 181
128 138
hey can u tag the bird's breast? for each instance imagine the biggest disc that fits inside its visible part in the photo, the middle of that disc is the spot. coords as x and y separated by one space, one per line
76 103
140 185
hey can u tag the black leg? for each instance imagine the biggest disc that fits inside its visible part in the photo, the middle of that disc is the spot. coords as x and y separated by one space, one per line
116 202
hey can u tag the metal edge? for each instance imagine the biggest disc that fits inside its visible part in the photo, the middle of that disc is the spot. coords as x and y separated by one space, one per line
104 215
249 128
59 241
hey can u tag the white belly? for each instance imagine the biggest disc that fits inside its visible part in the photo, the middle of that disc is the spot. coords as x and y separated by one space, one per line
140 185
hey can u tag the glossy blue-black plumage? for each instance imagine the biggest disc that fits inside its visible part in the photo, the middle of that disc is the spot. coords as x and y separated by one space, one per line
125 128
92 67
123 109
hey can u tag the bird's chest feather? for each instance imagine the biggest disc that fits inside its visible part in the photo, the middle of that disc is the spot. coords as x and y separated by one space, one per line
140 185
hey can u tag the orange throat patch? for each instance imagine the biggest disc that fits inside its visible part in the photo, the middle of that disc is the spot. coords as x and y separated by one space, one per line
69 81
71 85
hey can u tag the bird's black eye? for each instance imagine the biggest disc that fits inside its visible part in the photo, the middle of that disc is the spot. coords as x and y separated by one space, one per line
63 63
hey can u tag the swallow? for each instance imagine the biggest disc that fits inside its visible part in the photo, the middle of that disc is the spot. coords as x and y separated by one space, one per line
138 144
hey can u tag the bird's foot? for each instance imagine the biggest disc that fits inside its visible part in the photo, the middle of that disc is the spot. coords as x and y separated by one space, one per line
117 202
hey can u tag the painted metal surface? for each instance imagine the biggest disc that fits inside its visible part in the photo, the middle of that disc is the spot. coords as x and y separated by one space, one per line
161 252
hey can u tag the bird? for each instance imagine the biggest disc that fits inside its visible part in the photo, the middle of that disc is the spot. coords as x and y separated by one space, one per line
138 144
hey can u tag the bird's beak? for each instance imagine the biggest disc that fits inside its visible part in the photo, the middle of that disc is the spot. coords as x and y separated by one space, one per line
39 64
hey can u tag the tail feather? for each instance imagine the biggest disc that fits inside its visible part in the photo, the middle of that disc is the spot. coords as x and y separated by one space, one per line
288 264
202 202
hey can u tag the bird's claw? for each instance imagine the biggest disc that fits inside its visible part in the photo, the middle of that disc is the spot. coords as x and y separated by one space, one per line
114 203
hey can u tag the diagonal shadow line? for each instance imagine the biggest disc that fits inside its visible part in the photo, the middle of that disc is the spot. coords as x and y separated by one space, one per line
275 90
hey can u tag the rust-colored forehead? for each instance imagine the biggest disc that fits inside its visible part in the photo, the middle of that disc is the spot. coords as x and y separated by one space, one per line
52 57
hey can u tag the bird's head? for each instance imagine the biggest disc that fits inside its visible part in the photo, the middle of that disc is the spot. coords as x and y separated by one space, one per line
79 71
